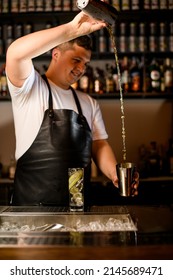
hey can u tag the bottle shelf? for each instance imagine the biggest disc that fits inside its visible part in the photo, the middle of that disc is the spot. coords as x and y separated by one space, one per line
132 95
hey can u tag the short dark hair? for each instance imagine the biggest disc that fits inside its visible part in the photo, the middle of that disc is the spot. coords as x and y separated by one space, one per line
84 41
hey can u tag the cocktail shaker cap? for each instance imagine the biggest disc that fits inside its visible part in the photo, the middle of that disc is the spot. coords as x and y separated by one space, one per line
99 10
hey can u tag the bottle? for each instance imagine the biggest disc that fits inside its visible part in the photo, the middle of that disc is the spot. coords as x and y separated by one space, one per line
163 37
163 4
48 6
155 76
9 35
153 37
125 5
3 83
39 5
143 162
1 42
135 76
170 4
135 4
125 77
123 46
146 5
162 79
116 4
142 42
168 76
66 5
133 37
102 41
99 10
99 81
15 6
23 6
153 160
84 82
57 5
109 79
155 4
12 168
170 40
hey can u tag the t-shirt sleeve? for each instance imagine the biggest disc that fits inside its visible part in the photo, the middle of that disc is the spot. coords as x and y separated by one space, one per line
26 86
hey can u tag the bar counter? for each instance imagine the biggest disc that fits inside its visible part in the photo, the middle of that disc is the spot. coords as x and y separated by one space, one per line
152 240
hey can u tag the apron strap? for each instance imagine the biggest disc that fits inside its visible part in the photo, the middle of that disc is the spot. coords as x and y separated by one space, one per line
51 102
77 101
50 97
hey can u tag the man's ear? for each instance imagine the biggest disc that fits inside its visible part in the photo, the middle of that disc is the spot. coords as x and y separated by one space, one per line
55 53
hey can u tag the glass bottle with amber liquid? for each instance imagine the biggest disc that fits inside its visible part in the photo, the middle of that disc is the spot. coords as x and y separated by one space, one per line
155 76
125 77
135 76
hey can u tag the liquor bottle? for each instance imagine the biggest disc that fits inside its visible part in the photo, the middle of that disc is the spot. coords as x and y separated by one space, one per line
143 161
153 37
153 160
125 77
74 6
163 4
28 28
170 40
147 5
116 79
12 168
123 46
58 5
23 6
162 78
155 4
66 5
102 41
9 35
116 4
135 4
84 82
162 37
125 5
155 76
109 81
18 30
170 4
31 6
5 6
168 76
99 81
133 37
1 42
142 42
39 5
135 76
48 6
3 82
14 6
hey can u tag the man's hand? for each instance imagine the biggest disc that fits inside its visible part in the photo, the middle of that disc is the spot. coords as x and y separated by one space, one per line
85 24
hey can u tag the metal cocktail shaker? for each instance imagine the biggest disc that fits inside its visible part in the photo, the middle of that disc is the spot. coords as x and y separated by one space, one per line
99 10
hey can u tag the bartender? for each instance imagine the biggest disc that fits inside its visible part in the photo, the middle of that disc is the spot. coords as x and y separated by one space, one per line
56 127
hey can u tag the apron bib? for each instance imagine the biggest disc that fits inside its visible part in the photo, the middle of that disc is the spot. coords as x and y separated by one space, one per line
64 140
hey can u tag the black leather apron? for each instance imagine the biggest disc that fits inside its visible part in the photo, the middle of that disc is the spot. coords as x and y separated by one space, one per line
63 141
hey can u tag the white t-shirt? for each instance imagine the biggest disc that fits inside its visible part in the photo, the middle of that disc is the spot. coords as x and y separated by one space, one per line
31 100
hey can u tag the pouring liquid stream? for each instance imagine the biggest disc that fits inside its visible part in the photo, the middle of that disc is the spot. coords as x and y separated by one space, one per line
109 28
